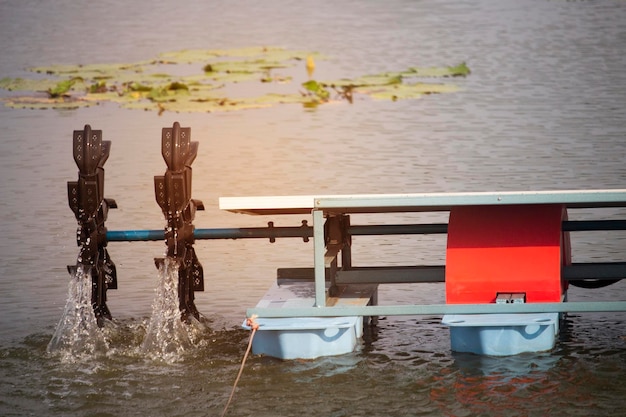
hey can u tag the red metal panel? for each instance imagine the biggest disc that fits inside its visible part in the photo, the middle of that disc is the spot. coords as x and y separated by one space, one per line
508 248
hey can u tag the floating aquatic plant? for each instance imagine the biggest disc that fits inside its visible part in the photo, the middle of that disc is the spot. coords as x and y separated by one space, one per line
208 80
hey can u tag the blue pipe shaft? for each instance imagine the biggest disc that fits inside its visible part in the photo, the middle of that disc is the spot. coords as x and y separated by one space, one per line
134 235
217 233
307 231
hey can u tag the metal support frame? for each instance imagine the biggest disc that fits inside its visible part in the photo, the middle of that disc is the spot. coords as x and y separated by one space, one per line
597 273
440 309
330 240
319 249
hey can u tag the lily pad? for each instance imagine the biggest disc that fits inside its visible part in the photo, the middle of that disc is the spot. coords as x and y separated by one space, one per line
23 84
318 90
461 70
208 80
42 103
389 78
409 91
216 104
205 55
93 71
63 87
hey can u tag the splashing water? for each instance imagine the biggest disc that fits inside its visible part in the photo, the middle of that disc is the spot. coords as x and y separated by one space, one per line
167 336
77 333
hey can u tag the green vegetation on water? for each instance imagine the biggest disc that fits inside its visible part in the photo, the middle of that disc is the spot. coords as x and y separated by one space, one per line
203 80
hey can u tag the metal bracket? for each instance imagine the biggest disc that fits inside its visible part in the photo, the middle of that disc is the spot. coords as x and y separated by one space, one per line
510 298
305 226
337 240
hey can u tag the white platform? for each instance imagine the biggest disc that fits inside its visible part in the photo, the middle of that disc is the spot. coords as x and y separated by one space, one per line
386 203
502 334
308 337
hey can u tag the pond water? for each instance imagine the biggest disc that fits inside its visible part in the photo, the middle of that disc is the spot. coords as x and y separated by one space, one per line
542 109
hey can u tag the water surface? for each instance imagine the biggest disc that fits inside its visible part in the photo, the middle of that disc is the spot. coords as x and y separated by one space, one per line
542 109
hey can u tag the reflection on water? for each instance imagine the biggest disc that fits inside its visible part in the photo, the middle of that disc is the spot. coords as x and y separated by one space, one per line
509 367
376 380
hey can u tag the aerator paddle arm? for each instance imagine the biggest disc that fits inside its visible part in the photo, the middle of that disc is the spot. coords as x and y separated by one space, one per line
86 199
173 194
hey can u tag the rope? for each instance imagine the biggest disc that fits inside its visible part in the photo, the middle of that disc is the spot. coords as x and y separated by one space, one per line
251 322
